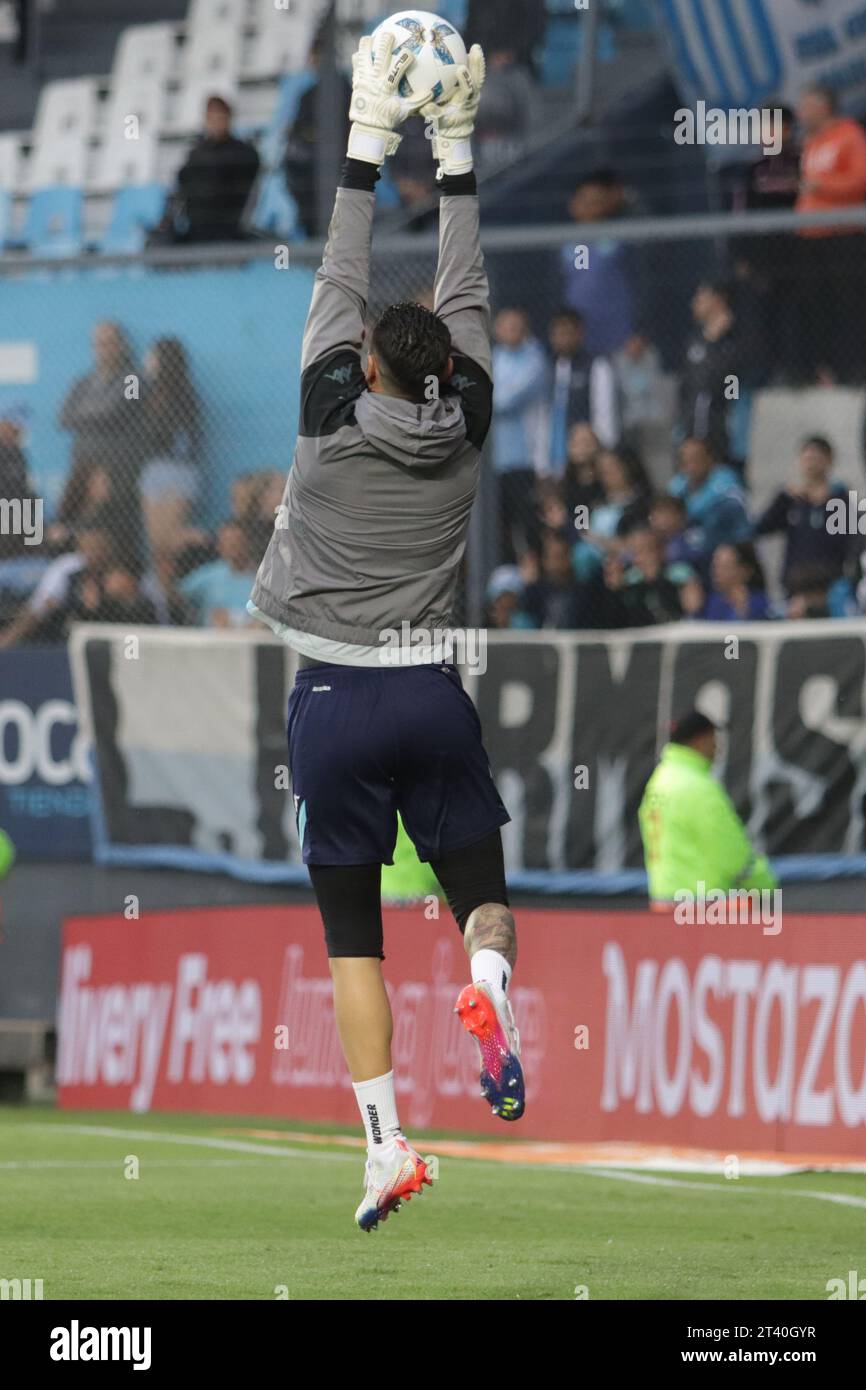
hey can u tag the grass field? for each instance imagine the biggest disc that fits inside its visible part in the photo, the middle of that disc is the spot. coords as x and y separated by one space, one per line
217 1213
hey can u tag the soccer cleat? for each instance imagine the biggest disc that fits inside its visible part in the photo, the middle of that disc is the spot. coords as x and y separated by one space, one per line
391 1178
493 1028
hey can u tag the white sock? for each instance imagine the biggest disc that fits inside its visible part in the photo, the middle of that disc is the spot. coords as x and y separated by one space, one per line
377 1102
490 968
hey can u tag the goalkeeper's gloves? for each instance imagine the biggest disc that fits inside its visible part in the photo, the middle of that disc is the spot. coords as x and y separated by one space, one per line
377 107
454 121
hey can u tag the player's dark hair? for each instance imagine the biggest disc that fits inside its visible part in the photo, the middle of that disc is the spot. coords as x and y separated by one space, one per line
412 344
818 441
567 315
690 726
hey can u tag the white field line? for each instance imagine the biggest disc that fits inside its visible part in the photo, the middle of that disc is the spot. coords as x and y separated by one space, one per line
732 1185
198 1141
80 1164
611 1175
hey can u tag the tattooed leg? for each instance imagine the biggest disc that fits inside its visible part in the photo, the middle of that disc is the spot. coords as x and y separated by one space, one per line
491 928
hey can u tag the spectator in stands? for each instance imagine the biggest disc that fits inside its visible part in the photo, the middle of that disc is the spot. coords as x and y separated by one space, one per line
739 591
799 513
831 261
171 447
581 486
714 499
640 387
622 509
216 181
113 597
15 485
813 593
267 497
554 600
70 580
507 113
523 21
103 411
643 589
505 591
714 356
519 435
597 274
584 389
300 166
769 264
668 518
218 592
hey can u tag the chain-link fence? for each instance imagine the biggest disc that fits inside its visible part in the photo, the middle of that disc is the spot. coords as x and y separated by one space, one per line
654 386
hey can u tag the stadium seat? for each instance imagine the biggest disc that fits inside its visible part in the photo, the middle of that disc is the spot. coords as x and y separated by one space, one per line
210 60
10 173
283 39
10 161
6 210
127 155
289 93
65 119
275 209
53 226
562 47
134 211
145 53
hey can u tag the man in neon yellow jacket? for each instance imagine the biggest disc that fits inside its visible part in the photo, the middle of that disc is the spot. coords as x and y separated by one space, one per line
690 829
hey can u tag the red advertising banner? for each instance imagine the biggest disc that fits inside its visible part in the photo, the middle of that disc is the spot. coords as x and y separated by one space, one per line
633 1028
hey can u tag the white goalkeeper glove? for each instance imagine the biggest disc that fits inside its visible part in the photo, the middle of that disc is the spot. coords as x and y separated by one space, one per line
377 107
454 122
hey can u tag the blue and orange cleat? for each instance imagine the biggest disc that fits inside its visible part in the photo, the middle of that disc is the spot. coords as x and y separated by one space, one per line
492 1026
391 1178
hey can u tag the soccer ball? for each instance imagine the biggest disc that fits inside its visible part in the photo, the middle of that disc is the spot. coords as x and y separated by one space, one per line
438 48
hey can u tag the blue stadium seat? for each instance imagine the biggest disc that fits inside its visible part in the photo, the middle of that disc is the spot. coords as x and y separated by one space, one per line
292 87
276 210
5 216
562 48
134 211
53 226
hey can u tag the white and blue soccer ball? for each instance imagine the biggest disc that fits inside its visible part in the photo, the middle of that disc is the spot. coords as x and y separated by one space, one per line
437 47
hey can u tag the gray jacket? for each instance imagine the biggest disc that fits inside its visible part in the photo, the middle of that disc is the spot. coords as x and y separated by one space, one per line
376 508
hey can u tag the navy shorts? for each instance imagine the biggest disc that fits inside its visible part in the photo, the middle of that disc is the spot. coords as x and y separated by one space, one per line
366 743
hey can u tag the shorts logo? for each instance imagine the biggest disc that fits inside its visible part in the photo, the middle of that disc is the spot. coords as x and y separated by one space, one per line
318 689
301 818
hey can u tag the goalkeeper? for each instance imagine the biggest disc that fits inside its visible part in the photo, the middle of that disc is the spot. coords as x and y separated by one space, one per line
372 536
690 829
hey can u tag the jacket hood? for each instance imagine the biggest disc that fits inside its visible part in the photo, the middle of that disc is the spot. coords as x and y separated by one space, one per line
416 436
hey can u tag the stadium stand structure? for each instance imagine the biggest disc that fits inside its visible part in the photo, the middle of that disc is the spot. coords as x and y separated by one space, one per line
119 103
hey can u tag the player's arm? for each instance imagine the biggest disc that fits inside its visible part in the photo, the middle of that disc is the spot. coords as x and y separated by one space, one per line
331 353
462 292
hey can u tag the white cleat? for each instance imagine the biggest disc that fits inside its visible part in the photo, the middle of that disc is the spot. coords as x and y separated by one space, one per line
391 1178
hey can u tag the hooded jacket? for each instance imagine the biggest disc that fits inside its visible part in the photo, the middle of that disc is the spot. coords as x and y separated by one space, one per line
692 834
372 530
